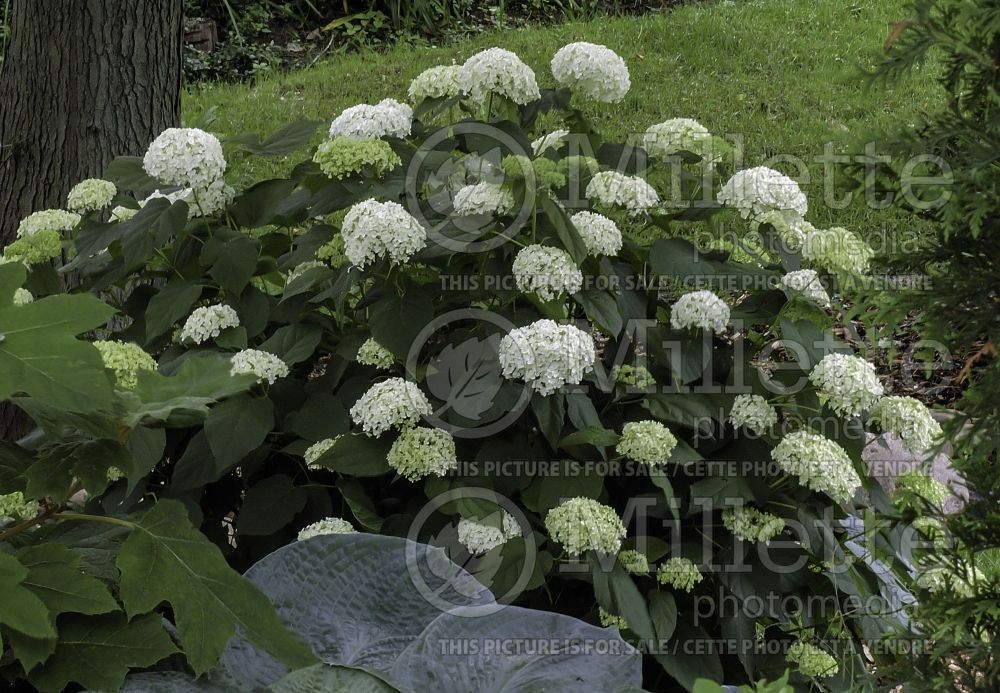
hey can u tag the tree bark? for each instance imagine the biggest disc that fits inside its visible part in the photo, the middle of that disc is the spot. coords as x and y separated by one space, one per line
83 81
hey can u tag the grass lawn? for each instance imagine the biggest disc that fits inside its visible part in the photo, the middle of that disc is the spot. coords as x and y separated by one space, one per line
783 75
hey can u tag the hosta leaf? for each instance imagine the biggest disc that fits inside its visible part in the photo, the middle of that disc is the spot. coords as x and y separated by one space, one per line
40 355
324 677
237 426
20 609
55 578
97 651
167 559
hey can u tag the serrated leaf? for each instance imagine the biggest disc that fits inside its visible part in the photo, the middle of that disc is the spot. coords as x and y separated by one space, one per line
270 505
172 303
55 578
236 427
97 651
20 609
356 455
597 436
231 261
294 343
30 652
167 559
14 461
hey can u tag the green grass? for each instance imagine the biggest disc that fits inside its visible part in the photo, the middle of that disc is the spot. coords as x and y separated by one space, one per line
782 75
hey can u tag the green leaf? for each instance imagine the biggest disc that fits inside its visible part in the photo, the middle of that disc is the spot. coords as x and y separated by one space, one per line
167 559
396 321
357 455
14 461
30 652
40 356
231 261
55 578
153 227
629 603
12 278
262 203
270 505
285 140
602 308
146 446
294 343
567 233
173 302
689 660
663 613
21 609
325 677
128 173
97 651
597 436
236 427
550 412
322 416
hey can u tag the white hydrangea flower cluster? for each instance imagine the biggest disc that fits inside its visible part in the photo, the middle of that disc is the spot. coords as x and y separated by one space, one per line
317 450
498 71
847 384
436 82
609 620
754 413
750 524
22 297
792 229
478 537
264 365
583 524
593 70
649 442
387 118
546 272
819 464
329 525
600 234
58 220
700 310
908 419
483 198
634 562
374 229
547 355
806 283
185 157
301 269
208 322
204 202
614 189
756 191
371 353
811 660
121 213
679 573
837 250
393 402
16 507
126 360
420 452
665 139
551 139
91 195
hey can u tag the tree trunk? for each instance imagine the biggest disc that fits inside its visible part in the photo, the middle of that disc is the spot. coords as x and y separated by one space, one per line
83 81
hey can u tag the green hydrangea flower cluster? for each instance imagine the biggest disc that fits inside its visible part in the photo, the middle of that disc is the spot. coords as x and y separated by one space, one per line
635 376
649 442
608 619
16 506
811 660
371 353
332 252
36 248
750 524
91 195
341 157
583 524
126 360
679 573
924 486
545 172
634 562
420 452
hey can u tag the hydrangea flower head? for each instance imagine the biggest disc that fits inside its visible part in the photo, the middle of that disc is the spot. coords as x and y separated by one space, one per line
22 297
546 272
819 464
329 525
811 660
126 360
666 139
700 310
583 524
375 229
679 573
35 249
649 442
91 195
614 189
483 198
436 82
837 250
750 524
754 413
371 353
908 419
847 384
805 283
634 376
15 506
52 220
608 619
791 228
478 537
420 452
393 402
317 450
208 322
263 364
593 70
756 191
387 118
498 71
601 235
185 157
341 157
634 562
547 355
